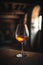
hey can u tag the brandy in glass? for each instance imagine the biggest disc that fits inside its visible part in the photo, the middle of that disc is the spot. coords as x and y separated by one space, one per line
21 34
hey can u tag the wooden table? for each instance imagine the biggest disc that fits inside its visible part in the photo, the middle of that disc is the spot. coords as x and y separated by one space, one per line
8 57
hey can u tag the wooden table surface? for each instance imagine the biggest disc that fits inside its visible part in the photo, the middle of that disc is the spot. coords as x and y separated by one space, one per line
8 57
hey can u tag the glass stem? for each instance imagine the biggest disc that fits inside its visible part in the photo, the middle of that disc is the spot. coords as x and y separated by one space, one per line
22 48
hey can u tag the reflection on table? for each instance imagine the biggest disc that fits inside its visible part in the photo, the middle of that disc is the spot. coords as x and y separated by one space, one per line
8 57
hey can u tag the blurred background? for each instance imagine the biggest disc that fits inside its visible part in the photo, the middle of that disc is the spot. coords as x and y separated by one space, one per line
11 14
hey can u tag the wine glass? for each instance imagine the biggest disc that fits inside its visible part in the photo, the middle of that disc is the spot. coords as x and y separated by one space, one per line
21 34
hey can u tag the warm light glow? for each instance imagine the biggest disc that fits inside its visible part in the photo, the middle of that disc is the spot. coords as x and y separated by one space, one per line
36 22
21 38
35 12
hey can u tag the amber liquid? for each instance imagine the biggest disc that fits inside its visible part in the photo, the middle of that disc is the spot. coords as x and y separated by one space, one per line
21 38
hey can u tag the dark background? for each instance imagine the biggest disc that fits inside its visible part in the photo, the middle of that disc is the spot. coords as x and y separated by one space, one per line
32 3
